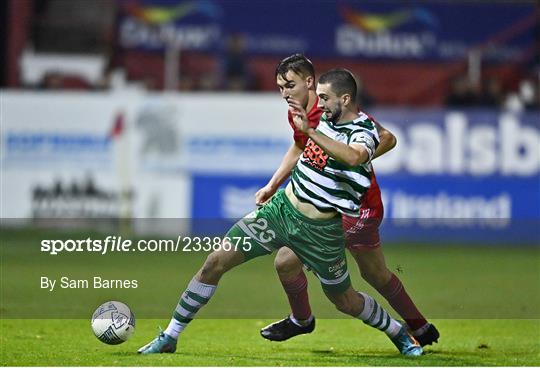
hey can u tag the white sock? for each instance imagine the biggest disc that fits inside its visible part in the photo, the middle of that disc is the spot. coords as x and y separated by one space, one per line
175 328
303 322
375 316
194 298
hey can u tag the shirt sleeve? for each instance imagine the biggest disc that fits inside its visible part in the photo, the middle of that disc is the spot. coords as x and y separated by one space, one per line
367 139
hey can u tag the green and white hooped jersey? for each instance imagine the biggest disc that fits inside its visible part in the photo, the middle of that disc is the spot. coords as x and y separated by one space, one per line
329 184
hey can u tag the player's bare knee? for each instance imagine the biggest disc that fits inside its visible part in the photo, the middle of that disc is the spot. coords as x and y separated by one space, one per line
213 267
287 264
345 304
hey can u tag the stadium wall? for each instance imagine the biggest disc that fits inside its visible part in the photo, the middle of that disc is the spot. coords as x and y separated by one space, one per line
455 175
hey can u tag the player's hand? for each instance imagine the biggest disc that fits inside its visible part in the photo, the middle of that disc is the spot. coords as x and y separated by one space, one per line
264 194
299 115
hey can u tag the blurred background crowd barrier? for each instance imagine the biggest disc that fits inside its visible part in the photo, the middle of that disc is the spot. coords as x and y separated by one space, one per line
147 109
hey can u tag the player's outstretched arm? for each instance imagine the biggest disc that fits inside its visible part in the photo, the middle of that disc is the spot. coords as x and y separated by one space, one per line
387 140
281 174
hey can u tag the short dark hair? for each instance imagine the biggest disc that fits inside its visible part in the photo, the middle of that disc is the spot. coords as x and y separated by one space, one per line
297 63
342 82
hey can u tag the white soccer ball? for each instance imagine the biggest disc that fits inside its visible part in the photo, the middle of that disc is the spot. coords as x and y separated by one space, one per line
113 323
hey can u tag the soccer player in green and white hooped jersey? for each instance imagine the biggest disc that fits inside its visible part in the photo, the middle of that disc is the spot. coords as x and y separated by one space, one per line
328 181
295 77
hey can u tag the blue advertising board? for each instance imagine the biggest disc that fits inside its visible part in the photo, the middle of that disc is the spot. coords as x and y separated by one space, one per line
220 200
415 30
454 176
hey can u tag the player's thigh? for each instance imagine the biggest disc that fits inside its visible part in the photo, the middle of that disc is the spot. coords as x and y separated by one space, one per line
362 233
245 242
323 252
219 262
260 232
226 258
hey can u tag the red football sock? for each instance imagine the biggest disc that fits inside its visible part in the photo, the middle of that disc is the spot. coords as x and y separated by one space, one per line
296 290
398 298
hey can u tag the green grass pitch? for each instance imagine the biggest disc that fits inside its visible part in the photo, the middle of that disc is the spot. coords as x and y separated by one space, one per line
484 300
235 342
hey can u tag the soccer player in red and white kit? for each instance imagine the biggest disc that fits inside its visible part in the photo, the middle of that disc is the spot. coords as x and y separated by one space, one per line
295 77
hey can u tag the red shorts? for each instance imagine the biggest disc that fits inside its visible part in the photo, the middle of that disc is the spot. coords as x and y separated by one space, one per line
362 233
